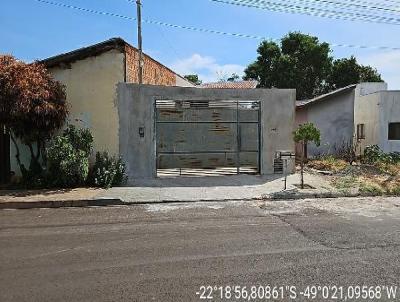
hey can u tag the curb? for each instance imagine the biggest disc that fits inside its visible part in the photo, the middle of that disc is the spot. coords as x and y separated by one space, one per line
295 196
104 202
61 203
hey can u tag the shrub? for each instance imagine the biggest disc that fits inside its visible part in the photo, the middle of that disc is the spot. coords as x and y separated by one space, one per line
394 157
107 171
68 157
347 151
373 154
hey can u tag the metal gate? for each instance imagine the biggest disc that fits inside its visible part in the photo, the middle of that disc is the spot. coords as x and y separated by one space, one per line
220 137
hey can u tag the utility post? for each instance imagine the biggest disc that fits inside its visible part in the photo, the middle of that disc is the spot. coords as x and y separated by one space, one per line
139 20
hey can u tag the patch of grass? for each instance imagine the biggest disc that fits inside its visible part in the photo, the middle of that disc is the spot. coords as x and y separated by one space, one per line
328 163
371 189
390 168
395 191
345 184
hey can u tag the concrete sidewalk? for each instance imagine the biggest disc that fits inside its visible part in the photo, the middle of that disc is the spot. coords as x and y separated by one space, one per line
179 189
217 188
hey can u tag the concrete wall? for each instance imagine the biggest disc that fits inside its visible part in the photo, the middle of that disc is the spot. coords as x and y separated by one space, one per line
136 109
366 112
389 113
376 107
334 116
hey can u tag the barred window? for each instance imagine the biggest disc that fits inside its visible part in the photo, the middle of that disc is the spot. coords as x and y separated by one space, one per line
394 131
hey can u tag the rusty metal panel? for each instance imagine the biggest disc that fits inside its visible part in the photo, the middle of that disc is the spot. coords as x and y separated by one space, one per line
191 137
196 114
206 160
207 134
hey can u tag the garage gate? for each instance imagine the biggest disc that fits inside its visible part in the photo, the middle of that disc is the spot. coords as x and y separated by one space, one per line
207 137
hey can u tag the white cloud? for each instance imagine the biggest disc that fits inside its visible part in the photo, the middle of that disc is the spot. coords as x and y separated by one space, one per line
206 67
388 64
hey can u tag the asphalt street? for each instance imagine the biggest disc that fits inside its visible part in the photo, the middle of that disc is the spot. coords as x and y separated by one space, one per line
168 252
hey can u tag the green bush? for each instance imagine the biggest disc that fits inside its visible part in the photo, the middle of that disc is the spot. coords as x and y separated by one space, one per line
394 157
373 154
68 157
107 171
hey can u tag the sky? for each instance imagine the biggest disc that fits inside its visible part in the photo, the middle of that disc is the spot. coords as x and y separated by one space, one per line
32 30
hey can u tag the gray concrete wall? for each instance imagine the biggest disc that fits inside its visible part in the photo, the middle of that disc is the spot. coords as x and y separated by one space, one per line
366 111
136 106
376 107
334 117
389 106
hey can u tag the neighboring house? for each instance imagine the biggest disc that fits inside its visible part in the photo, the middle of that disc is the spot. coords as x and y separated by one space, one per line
231 85
377 120
91 75
338 113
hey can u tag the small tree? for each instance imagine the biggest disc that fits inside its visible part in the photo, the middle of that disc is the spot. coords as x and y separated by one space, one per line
32 107
194 78
304 134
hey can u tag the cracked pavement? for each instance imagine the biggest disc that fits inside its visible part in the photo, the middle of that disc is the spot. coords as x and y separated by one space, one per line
165 252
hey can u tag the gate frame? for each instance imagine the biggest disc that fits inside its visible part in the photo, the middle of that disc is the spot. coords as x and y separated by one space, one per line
238 131
137 137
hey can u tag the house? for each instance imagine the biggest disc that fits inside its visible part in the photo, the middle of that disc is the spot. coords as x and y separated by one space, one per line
231 85
377 120
91 75
363 113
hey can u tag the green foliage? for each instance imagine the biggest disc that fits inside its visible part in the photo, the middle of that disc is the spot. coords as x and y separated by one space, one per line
303 62
369 74
347 71
373 154
233 78
194 78
300 61
107 171
32 108
68 157
307 133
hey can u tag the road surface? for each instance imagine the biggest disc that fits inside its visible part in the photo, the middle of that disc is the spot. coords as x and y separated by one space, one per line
168 252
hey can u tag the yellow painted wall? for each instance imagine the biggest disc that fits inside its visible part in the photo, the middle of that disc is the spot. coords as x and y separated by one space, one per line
91 94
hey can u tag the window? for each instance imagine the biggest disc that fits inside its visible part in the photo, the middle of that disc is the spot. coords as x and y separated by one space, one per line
394 131
361 131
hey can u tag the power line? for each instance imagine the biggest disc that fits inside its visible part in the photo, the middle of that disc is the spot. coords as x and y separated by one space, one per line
369 6
291 8
197 29
361 4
